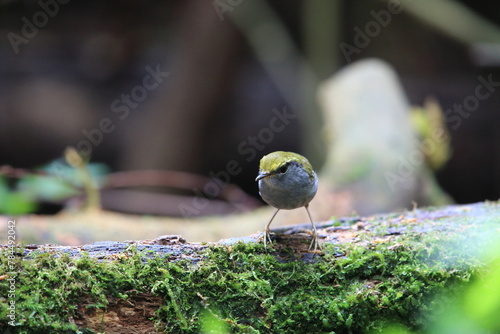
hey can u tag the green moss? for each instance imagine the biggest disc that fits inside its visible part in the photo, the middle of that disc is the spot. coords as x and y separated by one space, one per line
251 290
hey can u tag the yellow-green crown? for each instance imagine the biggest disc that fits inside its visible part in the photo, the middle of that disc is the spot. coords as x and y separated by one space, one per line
276 160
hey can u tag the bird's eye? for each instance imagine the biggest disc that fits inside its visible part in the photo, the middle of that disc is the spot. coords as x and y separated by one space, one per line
283 169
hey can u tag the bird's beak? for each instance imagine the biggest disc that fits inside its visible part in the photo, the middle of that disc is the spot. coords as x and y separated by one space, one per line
262 175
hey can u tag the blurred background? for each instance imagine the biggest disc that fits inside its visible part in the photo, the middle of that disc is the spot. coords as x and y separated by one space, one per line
205 88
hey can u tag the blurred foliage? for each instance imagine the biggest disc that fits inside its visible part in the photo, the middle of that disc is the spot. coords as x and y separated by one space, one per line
211 323
54 182
476 310
428 122
14 202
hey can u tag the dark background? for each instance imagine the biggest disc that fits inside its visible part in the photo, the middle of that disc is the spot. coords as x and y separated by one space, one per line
218 92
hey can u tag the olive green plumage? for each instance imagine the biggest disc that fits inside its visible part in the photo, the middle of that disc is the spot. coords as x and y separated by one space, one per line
274 161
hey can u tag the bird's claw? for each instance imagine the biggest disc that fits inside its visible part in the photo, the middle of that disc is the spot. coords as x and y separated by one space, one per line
314 246
267 237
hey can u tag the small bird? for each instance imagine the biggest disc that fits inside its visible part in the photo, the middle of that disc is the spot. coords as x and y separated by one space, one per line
287 181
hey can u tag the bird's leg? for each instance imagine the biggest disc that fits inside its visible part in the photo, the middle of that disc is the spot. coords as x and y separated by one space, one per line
314 243
267 233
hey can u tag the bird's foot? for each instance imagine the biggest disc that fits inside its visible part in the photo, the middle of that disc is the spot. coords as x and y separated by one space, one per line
267 237
314 246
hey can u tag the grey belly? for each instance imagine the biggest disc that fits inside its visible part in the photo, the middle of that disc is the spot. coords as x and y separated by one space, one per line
285 199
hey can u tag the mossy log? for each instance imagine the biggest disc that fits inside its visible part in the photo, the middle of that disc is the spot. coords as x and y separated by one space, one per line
371 272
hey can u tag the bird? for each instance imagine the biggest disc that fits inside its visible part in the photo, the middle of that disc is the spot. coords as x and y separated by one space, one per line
287 181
